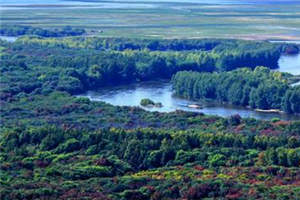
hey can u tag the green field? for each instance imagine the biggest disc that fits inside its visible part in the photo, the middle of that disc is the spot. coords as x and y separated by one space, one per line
165 20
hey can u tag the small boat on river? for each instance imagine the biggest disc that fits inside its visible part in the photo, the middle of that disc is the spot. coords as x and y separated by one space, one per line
195 106
269 111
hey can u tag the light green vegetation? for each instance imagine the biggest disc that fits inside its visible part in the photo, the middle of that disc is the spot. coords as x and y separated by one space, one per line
166 20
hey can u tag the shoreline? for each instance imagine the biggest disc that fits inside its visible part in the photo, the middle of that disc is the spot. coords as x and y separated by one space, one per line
270 111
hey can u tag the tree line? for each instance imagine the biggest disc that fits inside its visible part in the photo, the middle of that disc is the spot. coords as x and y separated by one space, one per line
16 30
260 88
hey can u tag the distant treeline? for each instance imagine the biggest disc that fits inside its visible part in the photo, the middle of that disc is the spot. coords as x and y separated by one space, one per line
121 44
260 88
9 30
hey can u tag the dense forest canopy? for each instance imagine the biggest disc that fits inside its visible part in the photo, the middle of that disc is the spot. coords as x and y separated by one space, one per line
147 164
75 65
54 145
9 30
259 88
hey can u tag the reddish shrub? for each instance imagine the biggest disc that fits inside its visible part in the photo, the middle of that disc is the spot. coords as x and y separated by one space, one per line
199 168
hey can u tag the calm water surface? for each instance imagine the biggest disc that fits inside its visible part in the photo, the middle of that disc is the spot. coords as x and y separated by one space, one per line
161 91
75 4
8 38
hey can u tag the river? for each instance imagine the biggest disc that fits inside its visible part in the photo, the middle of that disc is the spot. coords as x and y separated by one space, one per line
161 91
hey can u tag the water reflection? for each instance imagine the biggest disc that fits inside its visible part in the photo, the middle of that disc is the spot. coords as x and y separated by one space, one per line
161 91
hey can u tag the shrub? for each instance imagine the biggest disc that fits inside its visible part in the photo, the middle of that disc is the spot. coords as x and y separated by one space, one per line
69 146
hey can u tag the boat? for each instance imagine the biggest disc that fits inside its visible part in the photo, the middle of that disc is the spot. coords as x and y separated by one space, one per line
196 106
269 111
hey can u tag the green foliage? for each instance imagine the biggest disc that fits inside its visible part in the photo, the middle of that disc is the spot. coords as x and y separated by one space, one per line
56 146
147 102
260 88
150 103
216 160
85 172
142 163
41 65
291 101
29 30
69 146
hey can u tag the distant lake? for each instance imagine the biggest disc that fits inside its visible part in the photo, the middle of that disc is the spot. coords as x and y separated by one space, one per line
38 2
54 4
77 2
8 38
98 2
161 91
64 4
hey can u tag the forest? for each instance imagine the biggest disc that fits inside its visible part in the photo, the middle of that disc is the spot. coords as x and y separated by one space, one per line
17 30
148 164
42 65
55 145
259 88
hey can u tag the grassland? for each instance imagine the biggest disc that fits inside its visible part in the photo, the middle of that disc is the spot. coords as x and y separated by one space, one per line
165 20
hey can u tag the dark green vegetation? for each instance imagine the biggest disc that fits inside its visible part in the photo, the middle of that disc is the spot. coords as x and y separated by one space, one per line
65 163
29 30
149 102
57 146
260 88
74 65
146 102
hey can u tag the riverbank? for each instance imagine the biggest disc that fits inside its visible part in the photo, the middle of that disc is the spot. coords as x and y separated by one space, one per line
269 111
161 91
